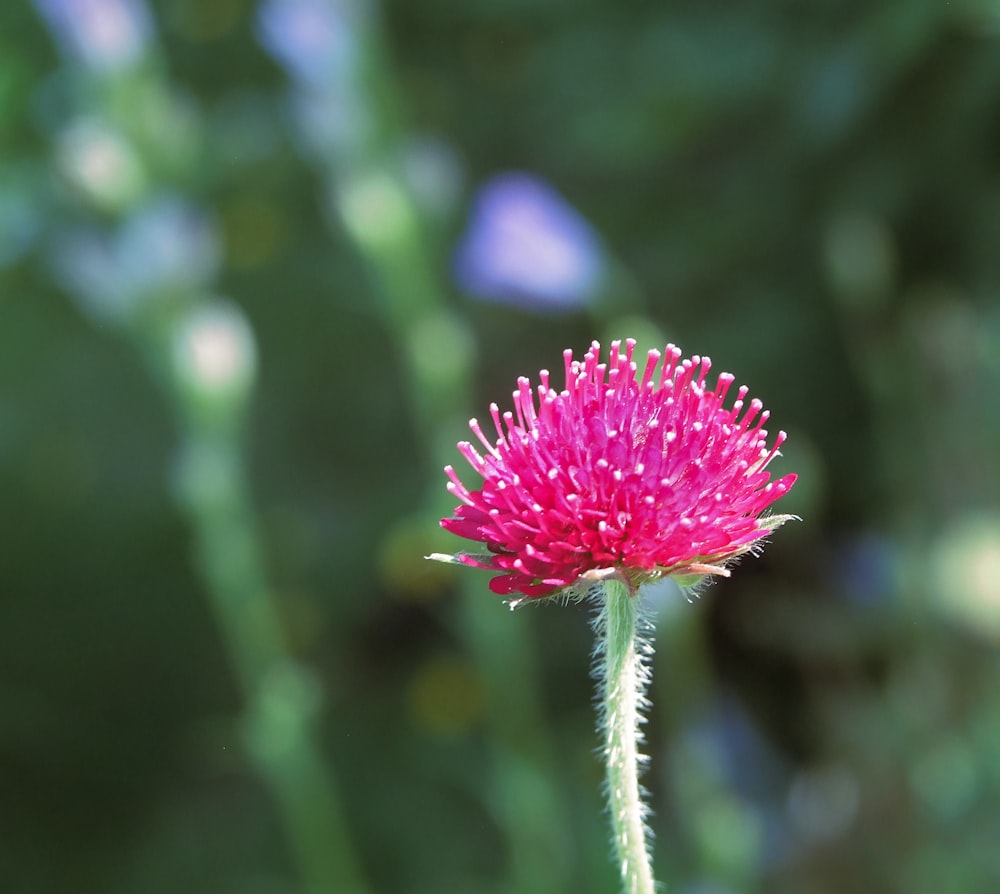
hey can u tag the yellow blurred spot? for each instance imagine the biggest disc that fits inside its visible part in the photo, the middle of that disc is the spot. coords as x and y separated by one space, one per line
254 232
444 697
200 22
402 566
303 618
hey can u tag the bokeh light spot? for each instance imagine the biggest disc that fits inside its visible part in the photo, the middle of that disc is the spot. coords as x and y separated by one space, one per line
214 351
100 163
965 566
374 209
445 697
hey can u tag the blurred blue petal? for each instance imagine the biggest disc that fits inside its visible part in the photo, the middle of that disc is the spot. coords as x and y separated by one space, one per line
315 40
333 119
526 245
743 762
106 35
168 243
167 247
744 758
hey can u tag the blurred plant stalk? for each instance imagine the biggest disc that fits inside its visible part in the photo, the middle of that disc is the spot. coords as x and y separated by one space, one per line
345 93
213 360
142 263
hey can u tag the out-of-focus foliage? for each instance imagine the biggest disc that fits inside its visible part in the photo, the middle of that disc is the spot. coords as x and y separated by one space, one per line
809 193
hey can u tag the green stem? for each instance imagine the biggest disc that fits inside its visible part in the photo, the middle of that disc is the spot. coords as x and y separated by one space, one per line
623 672
281 696
437 354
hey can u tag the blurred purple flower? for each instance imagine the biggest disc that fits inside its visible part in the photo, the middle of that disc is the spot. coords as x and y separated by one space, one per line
526 245
328 120
106 35
315 40
167 247
744 763
743 755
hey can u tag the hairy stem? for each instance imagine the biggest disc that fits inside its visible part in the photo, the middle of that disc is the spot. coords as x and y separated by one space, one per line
622 669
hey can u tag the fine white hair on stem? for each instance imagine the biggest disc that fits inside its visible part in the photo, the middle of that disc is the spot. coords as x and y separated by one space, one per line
623 650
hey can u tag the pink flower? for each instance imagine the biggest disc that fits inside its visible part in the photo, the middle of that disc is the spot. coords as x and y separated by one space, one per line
618 475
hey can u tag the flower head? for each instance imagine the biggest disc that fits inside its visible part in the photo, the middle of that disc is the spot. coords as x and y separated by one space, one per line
618 474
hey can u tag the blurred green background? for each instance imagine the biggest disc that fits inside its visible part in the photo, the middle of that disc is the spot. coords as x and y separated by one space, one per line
256 273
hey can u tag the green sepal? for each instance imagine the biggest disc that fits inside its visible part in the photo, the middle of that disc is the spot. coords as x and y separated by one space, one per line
483 559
